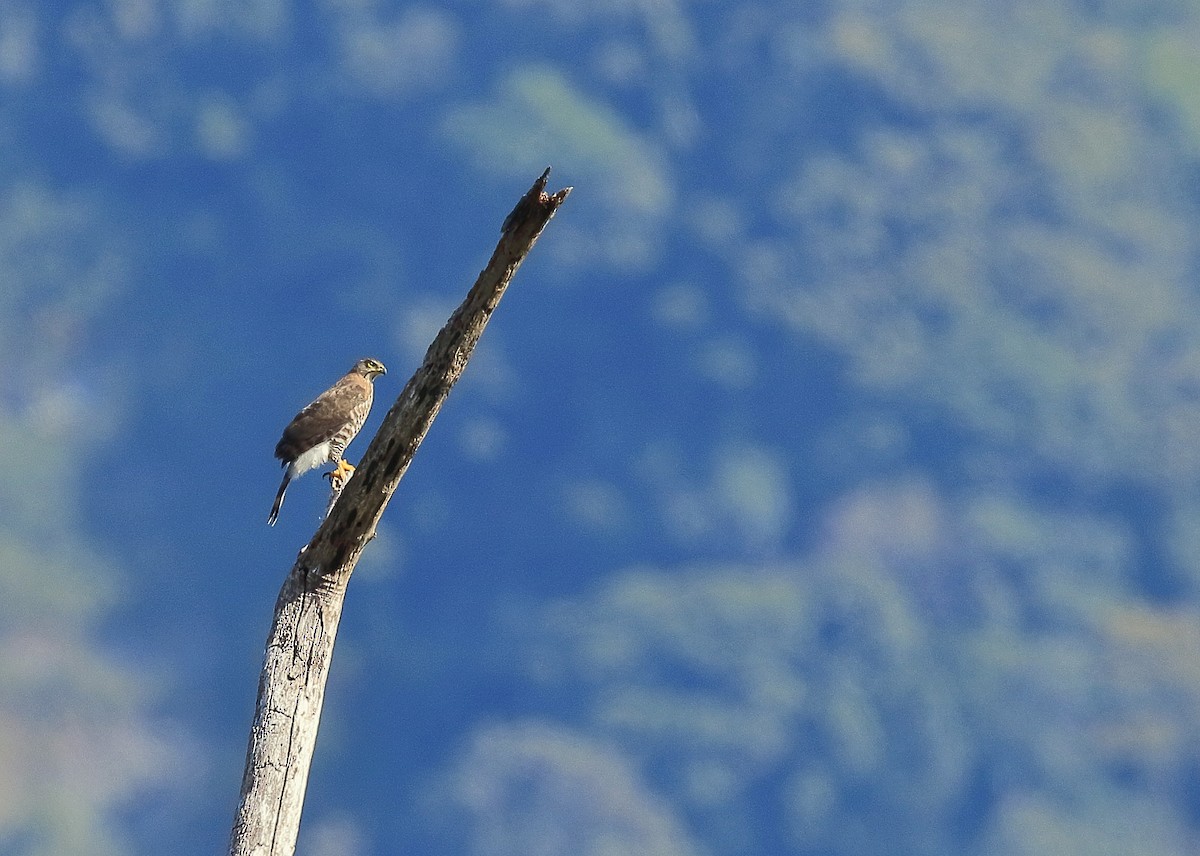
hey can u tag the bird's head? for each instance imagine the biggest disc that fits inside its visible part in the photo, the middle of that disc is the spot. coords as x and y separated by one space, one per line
369 368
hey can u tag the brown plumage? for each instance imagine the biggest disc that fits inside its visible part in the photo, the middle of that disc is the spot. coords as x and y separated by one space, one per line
321 432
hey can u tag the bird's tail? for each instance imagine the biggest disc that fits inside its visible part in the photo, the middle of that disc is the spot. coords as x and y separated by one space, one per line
287 477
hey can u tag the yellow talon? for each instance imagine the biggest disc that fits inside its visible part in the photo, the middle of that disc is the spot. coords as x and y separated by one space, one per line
340 474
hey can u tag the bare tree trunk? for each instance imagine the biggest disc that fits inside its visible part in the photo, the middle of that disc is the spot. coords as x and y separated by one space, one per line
291 689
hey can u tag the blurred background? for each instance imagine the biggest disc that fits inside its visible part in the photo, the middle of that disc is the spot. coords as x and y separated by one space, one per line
827 483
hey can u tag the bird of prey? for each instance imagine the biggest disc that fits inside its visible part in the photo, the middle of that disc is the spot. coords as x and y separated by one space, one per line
320 432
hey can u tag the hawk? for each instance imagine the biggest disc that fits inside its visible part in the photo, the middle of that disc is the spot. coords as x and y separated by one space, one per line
320 432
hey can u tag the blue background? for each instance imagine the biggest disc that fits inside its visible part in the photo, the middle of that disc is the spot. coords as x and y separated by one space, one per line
825 484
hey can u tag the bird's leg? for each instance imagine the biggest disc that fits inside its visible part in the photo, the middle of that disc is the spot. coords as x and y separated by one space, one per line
340 475
337 481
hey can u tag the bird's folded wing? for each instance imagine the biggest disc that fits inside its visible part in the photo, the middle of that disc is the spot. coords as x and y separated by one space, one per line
323 419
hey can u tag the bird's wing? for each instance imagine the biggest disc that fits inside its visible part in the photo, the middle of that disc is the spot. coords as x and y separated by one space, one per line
323 419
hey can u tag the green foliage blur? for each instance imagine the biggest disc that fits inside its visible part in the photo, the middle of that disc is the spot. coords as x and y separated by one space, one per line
829 488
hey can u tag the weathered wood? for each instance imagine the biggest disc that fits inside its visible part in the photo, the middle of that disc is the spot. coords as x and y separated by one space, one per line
291 689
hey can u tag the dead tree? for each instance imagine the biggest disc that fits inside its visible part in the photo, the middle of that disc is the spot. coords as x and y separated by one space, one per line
291 689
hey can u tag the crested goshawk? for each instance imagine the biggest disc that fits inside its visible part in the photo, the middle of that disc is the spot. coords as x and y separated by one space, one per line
320 432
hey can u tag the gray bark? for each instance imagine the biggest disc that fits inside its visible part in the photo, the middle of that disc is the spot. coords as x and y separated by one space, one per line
291 688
